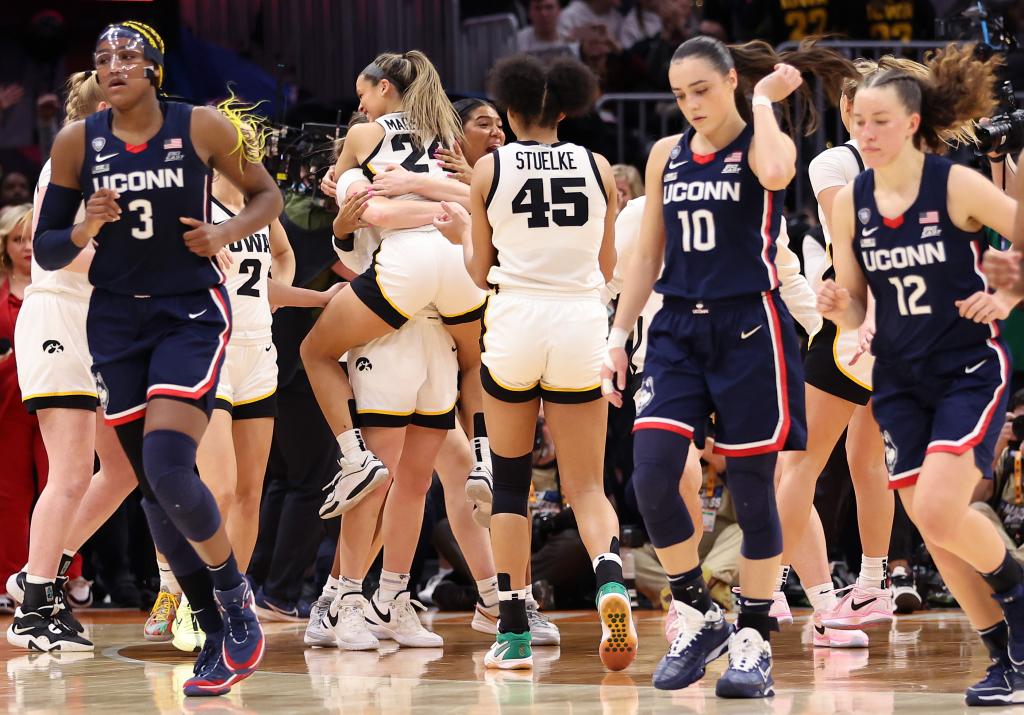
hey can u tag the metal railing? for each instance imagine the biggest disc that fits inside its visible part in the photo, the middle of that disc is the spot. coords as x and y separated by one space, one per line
483 41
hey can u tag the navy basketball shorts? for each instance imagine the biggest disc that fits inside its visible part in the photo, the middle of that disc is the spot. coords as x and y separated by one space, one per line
157 346
950 402
737 359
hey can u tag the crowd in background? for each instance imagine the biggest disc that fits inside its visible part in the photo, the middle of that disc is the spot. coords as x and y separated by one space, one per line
629 46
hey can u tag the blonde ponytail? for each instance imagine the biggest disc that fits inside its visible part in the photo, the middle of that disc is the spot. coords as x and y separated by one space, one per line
83 96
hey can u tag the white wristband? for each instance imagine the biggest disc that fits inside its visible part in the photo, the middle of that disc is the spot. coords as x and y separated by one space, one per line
617 338
760 100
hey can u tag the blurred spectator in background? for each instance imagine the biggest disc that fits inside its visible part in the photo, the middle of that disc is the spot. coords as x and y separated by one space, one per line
583 15
1001 498
641 22
646 62
14 189
21 444
543 36
628 183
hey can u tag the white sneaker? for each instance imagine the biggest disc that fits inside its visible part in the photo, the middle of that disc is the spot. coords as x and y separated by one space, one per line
542 630
345 617
353 482
398 621
80 592
485 619
318 633
480 483
780 608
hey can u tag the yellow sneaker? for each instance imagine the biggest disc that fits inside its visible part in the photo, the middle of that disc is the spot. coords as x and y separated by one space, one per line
158 625
188 636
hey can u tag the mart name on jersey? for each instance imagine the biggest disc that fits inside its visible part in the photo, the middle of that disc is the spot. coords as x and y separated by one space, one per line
887 259
701 191
141 180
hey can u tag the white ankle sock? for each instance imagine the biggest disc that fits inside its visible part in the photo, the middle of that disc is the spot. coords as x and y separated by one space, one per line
391 584
332 587
780 581
167 579
822 596
351 443
488 590
349 585
872 571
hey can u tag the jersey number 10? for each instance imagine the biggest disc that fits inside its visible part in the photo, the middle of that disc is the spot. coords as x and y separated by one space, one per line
532 199
698 228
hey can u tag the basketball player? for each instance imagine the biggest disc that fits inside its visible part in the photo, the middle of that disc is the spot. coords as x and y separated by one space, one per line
909 228
55 375
542 233
410 117
159 318
723 342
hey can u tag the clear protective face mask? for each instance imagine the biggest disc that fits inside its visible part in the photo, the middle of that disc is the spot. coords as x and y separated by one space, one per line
119 51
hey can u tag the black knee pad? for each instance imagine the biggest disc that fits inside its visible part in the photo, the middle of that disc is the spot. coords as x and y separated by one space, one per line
752 487
659 457
512 477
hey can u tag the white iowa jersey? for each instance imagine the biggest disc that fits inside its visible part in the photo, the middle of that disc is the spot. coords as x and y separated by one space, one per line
247 281
61 280
547 207
399 148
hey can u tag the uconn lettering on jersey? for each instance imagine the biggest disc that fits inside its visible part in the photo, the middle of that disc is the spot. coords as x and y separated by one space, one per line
546 160
900 257
700 191
147 180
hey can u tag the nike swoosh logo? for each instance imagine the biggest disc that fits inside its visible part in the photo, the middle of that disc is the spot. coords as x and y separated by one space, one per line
857 606
820 630
193 316
100 158
677 164
868 232
973 368
333 620
748 333
385 618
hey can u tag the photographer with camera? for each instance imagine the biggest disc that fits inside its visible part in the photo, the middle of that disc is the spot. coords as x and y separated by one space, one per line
1001 498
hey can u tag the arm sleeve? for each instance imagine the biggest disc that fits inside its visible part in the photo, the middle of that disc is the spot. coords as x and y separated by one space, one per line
796 292
52 244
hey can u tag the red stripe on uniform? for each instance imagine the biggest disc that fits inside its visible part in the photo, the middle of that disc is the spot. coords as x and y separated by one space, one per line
766 235
125 419
905 481
667 426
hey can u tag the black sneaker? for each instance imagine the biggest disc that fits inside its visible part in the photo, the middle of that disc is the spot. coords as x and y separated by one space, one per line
44 632
904 591
62 610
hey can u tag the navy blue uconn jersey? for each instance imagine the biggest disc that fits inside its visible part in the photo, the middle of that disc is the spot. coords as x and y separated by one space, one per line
144 253
720 223
917 266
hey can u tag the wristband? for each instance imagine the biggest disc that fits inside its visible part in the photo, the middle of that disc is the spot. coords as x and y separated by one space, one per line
617 338
760 100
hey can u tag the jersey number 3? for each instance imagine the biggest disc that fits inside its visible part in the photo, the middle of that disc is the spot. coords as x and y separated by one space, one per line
532 199
144 209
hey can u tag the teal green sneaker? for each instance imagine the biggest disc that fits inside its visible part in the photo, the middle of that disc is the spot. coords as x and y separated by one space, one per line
511 651
618 634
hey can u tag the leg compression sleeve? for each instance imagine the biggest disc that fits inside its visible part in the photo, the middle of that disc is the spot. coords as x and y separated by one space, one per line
512 477
170 458
751 483
658 460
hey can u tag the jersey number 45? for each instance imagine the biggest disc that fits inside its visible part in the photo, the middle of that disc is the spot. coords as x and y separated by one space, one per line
532 199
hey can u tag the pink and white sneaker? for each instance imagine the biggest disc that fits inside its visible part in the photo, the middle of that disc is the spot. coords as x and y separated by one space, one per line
860 607
834 638
673 622
780 609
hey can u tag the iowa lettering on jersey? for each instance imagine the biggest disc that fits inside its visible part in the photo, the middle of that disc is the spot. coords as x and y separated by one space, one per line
546 160
256 243
141 180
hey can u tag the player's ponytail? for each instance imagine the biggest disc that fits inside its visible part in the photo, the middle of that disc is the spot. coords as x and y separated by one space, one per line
84 95
757 59
541 94
959 88
423 98
958 133
250 128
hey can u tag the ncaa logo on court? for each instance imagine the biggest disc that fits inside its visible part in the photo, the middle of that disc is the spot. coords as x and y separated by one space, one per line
890 452
101 390
363 364
98 143
864 215
645 394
